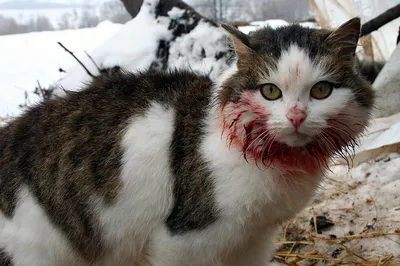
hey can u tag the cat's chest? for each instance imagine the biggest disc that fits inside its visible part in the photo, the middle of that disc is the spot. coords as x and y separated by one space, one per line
245 192
249 194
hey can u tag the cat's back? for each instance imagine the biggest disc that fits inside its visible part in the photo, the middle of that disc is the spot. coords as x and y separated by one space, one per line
66 155
102 108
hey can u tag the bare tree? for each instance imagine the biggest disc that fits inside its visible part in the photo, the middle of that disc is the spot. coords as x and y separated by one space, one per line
88 19
250 10
277 9
217 10
64 22
42 23
8 26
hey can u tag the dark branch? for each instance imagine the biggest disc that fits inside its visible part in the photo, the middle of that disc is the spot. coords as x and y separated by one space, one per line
94 63
379 21
43 93
71 53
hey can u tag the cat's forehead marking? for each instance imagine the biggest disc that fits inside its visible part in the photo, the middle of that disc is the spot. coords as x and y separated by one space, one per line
295 70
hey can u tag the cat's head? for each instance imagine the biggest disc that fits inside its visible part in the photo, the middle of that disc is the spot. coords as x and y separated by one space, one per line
294 97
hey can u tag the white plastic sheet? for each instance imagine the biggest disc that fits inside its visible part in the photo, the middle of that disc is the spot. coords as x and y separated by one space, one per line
336 12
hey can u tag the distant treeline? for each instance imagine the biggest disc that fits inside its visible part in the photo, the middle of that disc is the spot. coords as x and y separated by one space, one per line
87 18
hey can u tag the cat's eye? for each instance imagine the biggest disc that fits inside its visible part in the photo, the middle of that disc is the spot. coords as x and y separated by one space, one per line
321 90
270 92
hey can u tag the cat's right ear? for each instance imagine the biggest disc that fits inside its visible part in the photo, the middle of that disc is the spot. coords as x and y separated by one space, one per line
241 44
345 38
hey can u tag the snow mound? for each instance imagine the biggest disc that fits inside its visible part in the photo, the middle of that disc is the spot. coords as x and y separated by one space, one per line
141 44
133 47
200 50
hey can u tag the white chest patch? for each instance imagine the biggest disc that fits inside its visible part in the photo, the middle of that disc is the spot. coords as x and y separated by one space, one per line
146 196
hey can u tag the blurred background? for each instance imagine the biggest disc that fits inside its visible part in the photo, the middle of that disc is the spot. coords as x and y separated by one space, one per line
23 16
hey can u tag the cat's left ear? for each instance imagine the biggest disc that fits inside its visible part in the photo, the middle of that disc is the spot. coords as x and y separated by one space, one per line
241 44
345 38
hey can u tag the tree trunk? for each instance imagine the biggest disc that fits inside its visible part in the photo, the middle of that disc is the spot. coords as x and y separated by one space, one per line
133 6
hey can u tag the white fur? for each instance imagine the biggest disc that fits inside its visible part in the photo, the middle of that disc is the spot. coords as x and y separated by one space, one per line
31 239
252 202
146 196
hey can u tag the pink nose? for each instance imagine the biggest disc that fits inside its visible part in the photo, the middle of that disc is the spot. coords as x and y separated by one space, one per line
296 116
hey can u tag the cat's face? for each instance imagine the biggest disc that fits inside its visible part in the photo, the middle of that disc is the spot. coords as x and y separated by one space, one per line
295 92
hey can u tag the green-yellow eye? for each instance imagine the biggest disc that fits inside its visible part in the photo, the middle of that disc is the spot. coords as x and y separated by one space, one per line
270 91
321 90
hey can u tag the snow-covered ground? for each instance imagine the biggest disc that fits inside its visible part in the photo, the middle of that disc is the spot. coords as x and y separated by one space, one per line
363 204
28 58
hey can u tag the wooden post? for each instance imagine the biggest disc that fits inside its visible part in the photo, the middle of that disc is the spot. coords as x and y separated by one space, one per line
133 6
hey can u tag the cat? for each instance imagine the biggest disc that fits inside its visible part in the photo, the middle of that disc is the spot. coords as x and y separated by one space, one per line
168 168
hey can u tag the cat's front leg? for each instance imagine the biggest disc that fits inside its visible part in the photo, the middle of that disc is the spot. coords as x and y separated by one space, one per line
257 251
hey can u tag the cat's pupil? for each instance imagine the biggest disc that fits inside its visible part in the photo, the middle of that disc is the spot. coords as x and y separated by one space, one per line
270 89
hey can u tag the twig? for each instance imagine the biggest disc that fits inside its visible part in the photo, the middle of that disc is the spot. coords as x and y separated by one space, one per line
71 53
379 21
295 242
368 235
315 221
350 252
43 93
94 63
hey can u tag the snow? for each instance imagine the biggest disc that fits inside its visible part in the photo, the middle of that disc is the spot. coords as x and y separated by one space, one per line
198 49
273 23
133 47
28 58
176 13
364 200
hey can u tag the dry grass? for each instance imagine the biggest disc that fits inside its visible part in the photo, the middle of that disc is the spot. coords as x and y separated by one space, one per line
297 246
315 251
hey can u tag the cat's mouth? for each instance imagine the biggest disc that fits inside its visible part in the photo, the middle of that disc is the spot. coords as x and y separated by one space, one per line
295 139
